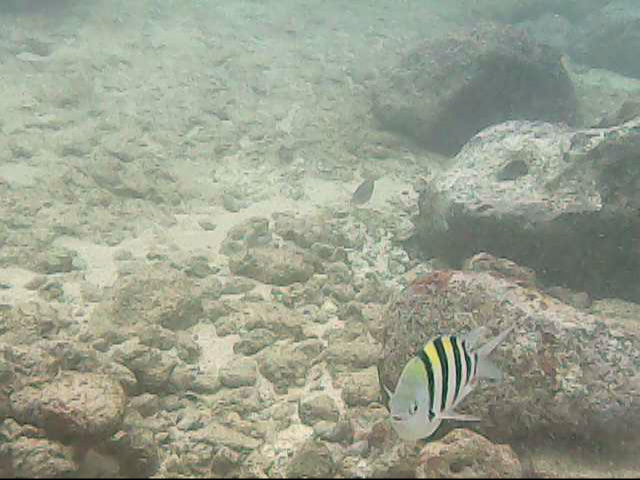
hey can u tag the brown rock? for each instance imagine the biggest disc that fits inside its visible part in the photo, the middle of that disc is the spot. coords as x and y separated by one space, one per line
465 454
73 405
567 372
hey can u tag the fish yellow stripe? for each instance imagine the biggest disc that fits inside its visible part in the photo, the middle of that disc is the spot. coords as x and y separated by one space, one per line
432 354
444 377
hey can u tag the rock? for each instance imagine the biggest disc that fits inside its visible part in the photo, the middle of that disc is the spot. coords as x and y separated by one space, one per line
275 266
442 93
135 447
609 38
98 465
156 295
334 432
312 460
577 461
224 461
568 374
207 381
361 388
629 110
198 267
151 366
281 321
232 203
243 400
163 339
556 200
512 12
146 404
74 405
318 407
253 341
221 436
286 365
237 286
465 454
550 29
29 322
239 372
350 349
40 458
251 234
57 260
306 230
575 299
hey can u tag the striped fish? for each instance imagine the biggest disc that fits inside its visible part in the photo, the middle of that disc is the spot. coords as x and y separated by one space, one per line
436 380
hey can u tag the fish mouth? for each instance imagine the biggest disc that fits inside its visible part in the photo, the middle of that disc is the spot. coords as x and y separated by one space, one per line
397 418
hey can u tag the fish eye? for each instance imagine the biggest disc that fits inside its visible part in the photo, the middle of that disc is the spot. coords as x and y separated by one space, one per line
413 408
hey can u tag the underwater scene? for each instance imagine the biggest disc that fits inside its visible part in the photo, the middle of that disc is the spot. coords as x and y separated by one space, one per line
319 238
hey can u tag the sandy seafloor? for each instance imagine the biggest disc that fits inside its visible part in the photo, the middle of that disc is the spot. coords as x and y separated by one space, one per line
266 100
207 95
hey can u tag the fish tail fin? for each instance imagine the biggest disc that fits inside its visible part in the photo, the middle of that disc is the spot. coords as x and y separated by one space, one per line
486 367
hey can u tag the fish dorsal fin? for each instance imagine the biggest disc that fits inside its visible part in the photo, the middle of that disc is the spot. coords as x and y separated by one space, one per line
389 393
491 345
474 337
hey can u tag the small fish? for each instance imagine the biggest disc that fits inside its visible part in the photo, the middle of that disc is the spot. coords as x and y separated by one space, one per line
437 379
363 193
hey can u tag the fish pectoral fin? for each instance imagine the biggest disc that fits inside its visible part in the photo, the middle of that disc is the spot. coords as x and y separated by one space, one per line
460 417
389 393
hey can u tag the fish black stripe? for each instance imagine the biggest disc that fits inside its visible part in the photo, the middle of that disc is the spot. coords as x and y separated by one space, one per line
475 364
422 355
444 365
467 362
458 362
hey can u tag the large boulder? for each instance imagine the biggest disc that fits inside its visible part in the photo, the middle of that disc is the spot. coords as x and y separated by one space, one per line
568 373
563 202
74 405
610 38
444 92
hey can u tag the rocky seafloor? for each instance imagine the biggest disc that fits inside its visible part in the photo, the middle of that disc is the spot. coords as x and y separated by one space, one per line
187 291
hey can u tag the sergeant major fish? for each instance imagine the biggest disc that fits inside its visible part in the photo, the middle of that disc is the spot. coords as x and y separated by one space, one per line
436 380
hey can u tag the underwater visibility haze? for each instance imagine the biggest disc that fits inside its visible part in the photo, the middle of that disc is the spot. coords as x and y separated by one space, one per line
245 238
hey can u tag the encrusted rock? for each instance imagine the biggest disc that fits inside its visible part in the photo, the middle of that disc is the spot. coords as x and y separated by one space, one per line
567 372
151 366
562 202
275 266
287 364
361 388
156 295
306 230
318 407
135 446
465 454
73 405
239 372
253 341
39 458
250 234
222 436
609 38
313 459
444 92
